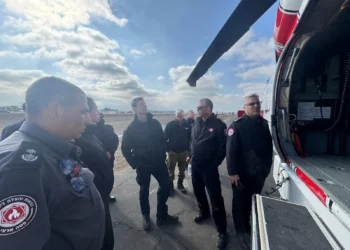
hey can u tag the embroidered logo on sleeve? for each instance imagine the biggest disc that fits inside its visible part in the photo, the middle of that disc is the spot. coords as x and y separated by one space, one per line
30 155
16 213
230 132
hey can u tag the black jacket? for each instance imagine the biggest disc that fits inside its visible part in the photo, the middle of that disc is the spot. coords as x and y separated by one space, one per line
143 143
177 137
109 139
95 158
190 121
10 129
107 136
208 142
249 147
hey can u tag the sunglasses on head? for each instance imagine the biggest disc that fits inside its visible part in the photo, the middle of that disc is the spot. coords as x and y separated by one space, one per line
253 104
201 107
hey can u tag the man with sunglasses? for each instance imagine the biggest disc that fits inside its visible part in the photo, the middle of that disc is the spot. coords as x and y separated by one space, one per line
47 197
249 159
208 144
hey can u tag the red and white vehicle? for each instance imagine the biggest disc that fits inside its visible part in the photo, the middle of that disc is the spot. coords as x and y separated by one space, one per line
307 103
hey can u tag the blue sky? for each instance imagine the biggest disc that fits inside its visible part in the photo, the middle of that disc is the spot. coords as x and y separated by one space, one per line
116 50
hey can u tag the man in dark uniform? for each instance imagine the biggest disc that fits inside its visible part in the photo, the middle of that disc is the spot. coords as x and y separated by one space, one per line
47 198
190 120
96 159
249 159
208 144
143 147
177 136
10 129
110 141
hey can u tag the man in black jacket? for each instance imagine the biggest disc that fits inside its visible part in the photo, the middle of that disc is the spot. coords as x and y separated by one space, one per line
143 147
96 159
208 144
249 159
190 119
177 135
110 141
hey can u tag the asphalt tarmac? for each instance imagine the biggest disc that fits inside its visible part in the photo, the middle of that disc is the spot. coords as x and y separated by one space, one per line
126 217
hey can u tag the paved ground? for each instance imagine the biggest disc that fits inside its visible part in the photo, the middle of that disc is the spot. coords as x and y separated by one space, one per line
126 217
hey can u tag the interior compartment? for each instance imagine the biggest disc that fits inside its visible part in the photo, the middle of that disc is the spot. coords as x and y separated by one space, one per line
320 78
319 103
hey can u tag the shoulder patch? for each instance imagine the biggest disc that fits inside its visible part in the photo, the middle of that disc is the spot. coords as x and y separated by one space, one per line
28 153
16 213
230 132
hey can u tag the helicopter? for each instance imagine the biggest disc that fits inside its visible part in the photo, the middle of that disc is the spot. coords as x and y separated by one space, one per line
307 105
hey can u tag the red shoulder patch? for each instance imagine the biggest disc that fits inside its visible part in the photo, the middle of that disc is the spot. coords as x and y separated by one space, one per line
16 213
230 132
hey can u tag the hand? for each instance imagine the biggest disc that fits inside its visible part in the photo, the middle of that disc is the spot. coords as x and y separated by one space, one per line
188 160
234 179
109 155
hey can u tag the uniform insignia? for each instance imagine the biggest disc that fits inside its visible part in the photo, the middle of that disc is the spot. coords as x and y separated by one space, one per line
231 132
30 155
16 213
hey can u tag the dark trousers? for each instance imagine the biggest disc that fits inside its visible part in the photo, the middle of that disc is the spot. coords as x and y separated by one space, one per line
208 177
143 178
108 240
242 202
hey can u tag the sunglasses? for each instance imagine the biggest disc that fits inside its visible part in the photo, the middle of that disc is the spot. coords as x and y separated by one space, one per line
201 107
253 104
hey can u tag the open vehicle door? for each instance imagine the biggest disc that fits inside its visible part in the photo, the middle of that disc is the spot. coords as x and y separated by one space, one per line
315 16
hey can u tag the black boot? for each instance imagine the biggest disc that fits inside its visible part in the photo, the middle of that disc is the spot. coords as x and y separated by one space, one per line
181 187
146 222
167 220
112 198
221 241
201 217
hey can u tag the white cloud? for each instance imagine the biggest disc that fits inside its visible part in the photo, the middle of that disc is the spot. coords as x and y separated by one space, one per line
13 84
245 65
252 87
151 51
81 54
137 52
160 78
183 96
92 60
251 48
63 14
23 76
264 71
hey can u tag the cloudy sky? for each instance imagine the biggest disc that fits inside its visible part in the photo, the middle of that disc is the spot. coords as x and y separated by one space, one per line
119 49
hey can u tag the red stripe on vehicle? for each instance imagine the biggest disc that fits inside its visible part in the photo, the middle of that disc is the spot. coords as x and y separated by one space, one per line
320 194
284 28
